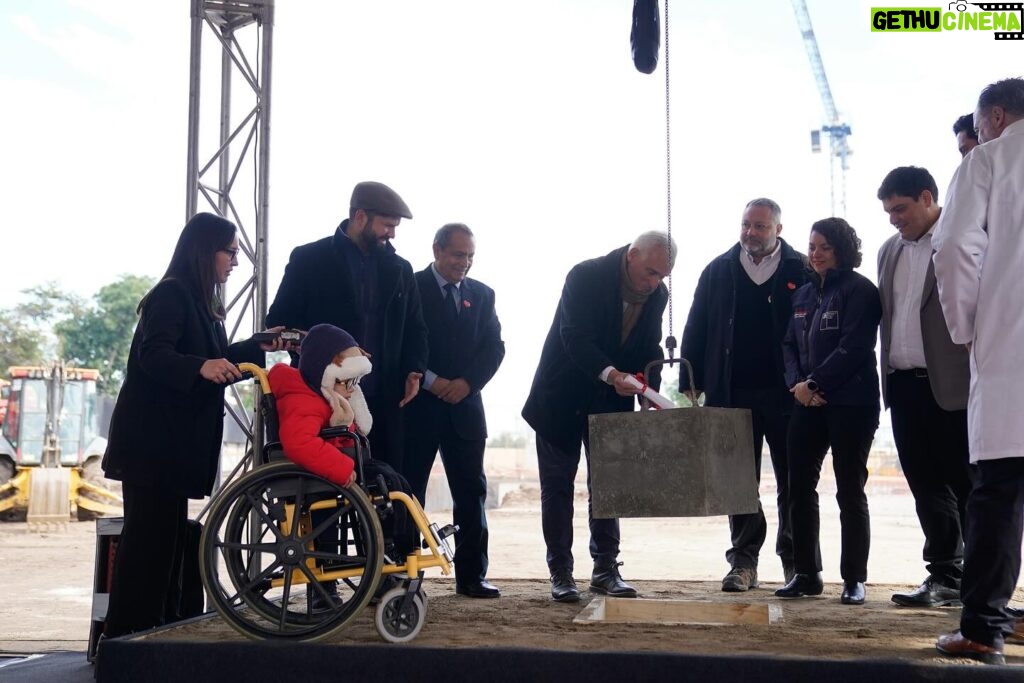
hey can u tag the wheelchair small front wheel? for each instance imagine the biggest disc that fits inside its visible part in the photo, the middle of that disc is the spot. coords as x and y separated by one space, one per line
396 624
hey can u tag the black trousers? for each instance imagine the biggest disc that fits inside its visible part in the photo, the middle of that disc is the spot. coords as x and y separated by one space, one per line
557 475
401 536
995 522
849 431
387 436
146 584
770 410
464 467
934 455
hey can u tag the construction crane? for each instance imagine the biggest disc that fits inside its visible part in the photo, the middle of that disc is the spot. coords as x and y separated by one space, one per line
834 128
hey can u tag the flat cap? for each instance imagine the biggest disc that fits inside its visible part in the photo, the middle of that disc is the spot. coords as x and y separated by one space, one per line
380 199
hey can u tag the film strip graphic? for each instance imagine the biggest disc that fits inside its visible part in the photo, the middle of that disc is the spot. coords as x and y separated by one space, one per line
1000 7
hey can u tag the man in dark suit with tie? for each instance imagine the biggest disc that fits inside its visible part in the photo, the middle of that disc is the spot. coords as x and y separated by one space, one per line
464 338
607 326
925 383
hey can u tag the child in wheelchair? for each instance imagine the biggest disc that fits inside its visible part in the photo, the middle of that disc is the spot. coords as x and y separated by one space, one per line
324 392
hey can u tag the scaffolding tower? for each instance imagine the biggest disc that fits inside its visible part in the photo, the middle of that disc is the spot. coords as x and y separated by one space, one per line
243 30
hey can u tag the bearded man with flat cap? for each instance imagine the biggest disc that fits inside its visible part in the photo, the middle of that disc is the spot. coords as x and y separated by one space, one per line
355 280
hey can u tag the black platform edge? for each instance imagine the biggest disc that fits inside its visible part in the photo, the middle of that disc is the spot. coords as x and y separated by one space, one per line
133 660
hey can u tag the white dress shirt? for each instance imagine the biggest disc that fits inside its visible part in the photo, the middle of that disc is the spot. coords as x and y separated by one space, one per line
906 347
761 272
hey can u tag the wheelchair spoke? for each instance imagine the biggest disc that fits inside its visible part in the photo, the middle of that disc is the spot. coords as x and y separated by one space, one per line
314 582
259 507
300 505
282 622
247 589
270 548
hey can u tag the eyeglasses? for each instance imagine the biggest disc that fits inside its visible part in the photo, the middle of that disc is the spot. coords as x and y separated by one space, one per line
233 253
350 384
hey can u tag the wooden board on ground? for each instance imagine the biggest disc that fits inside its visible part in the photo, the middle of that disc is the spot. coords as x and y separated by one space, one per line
602 610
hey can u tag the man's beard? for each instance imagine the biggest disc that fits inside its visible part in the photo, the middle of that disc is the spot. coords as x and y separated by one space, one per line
757 249
369 241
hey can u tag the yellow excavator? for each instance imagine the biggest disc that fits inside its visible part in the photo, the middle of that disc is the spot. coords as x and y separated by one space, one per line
50 448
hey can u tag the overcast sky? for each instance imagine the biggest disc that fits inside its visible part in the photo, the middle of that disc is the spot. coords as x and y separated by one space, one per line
525 120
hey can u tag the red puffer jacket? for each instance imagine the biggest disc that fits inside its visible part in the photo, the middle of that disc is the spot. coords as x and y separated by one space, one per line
302 413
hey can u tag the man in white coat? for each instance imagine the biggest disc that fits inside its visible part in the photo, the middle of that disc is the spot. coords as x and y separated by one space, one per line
979 255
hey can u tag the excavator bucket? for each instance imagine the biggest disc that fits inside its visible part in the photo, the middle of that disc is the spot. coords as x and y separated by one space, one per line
49 503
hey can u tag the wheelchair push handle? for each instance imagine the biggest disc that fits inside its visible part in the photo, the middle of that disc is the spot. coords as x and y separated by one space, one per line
253 371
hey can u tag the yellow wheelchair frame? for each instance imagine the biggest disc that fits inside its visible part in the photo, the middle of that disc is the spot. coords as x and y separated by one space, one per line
263 560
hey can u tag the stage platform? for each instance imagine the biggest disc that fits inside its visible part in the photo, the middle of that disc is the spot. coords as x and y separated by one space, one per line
131 661
524 637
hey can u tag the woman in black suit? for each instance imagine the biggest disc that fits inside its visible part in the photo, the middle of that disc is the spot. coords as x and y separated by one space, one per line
829 351
165 432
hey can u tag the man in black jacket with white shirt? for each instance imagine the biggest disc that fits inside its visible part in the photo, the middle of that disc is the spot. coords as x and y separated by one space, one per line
733 339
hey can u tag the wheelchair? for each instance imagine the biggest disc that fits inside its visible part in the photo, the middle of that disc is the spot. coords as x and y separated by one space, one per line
269 572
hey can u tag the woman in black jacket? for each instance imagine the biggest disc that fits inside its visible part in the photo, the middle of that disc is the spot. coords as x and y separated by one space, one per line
165 432
829 351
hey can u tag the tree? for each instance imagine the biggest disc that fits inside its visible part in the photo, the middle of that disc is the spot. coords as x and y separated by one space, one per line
20 344
25 330
99 335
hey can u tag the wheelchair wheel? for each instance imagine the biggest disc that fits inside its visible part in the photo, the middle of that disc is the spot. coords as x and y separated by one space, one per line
397 625
261 553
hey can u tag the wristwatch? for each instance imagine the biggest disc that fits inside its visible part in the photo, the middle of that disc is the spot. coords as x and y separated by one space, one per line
812 385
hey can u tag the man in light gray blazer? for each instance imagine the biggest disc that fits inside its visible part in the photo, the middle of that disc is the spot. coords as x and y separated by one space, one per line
925 382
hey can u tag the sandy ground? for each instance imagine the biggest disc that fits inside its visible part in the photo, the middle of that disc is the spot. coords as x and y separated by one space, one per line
525 617
48 589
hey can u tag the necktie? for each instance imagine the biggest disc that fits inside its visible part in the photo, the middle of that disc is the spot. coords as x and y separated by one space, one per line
450 299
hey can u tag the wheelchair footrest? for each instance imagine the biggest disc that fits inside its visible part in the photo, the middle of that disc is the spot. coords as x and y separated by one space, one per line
442 533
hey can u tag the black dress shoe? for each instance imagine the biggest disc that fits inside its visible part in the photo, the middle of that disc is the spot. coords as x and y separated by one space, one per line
563 586
853 593
478 589
801 586
606 580
931 593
